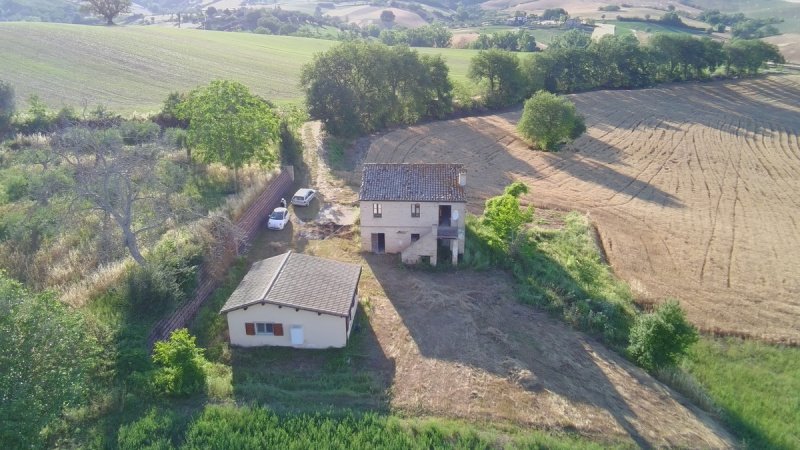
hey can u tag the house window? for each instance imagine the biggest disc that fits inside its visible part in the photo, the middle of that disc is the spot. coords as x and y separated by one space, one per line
377 210
415 210
263 329
414 237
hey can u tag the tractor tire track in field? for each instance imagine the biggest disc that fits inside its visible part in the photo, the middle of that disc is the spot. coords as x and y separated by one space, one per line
693 188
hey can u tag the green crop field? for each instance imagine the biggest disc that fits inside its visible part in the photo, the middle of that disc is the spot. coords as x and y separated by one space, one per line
131 69
626 27
761 9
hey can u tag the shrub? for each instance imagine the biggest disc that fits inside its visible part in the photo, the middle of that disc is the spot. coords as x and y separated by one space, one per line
7 107
138 132
149 432
48 362
661 338
549 120
181 363
152 289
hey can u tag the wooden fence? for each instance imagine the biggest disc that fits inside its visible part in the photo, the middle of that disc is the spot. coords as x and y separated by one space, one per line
253 221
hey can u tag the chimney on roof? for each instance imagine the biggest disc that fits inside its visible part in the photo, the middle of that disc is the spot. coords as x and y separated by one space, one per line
462 178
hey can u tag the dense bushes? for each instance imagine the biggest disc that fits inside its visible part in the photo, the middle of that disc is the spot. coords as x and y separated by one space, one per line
559 271
549 120
661 338
180 365
47 364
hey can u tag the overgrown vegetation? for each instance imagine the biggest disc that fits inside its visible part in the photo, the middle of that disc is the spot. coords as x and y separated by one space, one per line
661 338
181 365
558 270
49 363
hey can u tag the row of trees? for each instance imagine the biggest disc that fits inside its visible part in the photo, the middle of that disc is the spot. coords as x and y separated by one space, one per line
436 35
359 87
575 63
513 41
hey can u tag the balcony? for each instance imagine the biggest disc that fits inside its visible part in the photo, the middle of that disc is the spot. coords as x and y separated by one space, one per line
446 232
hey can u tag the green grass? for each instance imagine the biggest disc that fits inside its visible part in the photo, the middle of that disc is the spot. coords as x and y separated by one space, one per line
756 385
134 68
251 427
760 9
624 28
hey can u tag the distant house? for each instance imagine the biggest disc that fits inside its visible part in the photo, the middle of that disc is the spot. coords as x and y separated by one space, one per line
294 300
416 210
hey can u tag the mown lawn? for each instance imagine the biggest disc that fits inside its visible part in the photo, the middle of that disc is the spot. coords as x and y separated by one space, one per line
133 68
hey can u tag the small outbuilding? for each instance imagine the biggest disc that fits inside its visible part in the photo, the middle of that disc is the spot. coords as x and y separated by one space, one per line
294 300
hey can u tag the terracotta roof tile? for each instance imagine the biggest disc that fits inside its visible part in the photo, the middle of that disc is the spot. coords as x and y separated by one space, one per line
298 281
412 182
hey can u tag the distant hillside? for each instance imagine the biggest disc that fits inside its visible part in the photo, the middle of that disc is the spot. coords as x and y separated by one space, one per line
40 10
789 11
134 68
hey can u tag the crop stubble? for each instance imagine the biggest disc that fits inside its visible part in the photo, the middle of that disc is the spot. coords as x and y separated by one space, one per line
693 189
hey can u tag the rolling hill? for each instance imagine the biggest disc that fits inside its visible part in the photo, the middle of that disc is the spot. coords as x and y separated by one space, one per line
131 69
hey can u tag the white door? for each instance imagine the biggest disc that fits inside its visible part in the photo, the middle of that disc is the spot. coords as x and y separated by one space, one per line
297 335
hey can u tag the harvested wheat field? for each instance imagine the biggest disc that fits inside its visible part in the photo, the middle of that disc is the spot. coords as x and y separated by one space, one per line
693 189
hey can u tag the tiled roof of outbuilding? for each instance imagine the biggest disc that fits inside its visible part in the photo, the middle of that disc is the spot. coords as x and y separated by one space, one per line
412 182
298 281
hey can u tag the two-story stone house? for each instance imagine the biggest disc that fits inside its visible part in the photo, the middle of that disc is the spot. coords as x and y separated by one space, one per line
416 210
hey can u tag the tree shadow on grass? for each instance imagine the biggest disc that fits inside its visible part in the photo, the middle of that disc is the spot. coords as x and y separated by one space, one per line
356 377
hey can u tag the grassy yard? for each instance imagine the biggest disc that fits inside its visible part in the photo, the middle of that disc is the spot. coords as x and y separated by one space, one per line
133 68
756 385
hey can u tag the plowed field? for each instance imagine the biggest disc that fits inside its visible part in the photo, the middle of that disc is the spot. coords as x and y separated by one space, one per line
693 188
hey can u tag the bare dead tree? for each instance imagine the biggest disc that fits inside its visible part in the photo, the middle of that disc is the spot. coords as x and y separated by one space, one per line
119 181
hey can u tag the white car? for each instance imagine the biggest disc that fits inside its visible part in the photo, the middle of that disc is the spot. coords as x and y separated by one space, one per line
278 219
303 197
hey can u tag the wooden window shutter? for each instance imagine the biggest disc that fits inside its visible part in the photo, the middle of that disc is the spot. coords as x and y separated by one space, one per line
250 329
277 329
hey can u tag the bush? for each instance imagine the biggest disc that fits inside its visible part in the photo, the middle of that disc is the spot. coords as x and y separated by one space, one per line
138 132
152 289
181 363
48 363
150 432
7 108
549 120
661 338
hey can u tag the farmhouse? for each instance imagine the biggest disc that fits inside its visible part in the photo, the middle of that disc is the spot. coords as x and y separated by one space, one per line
416 210
294 300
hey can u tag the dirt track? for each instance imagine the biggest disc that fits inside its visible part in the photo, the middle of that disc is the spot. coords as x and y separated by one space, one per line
693 188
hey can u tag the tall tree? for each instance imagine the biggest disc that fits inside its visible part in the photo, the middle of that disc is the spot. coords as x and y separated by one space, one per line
7 107
500 70
359 87
231 126
108 9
